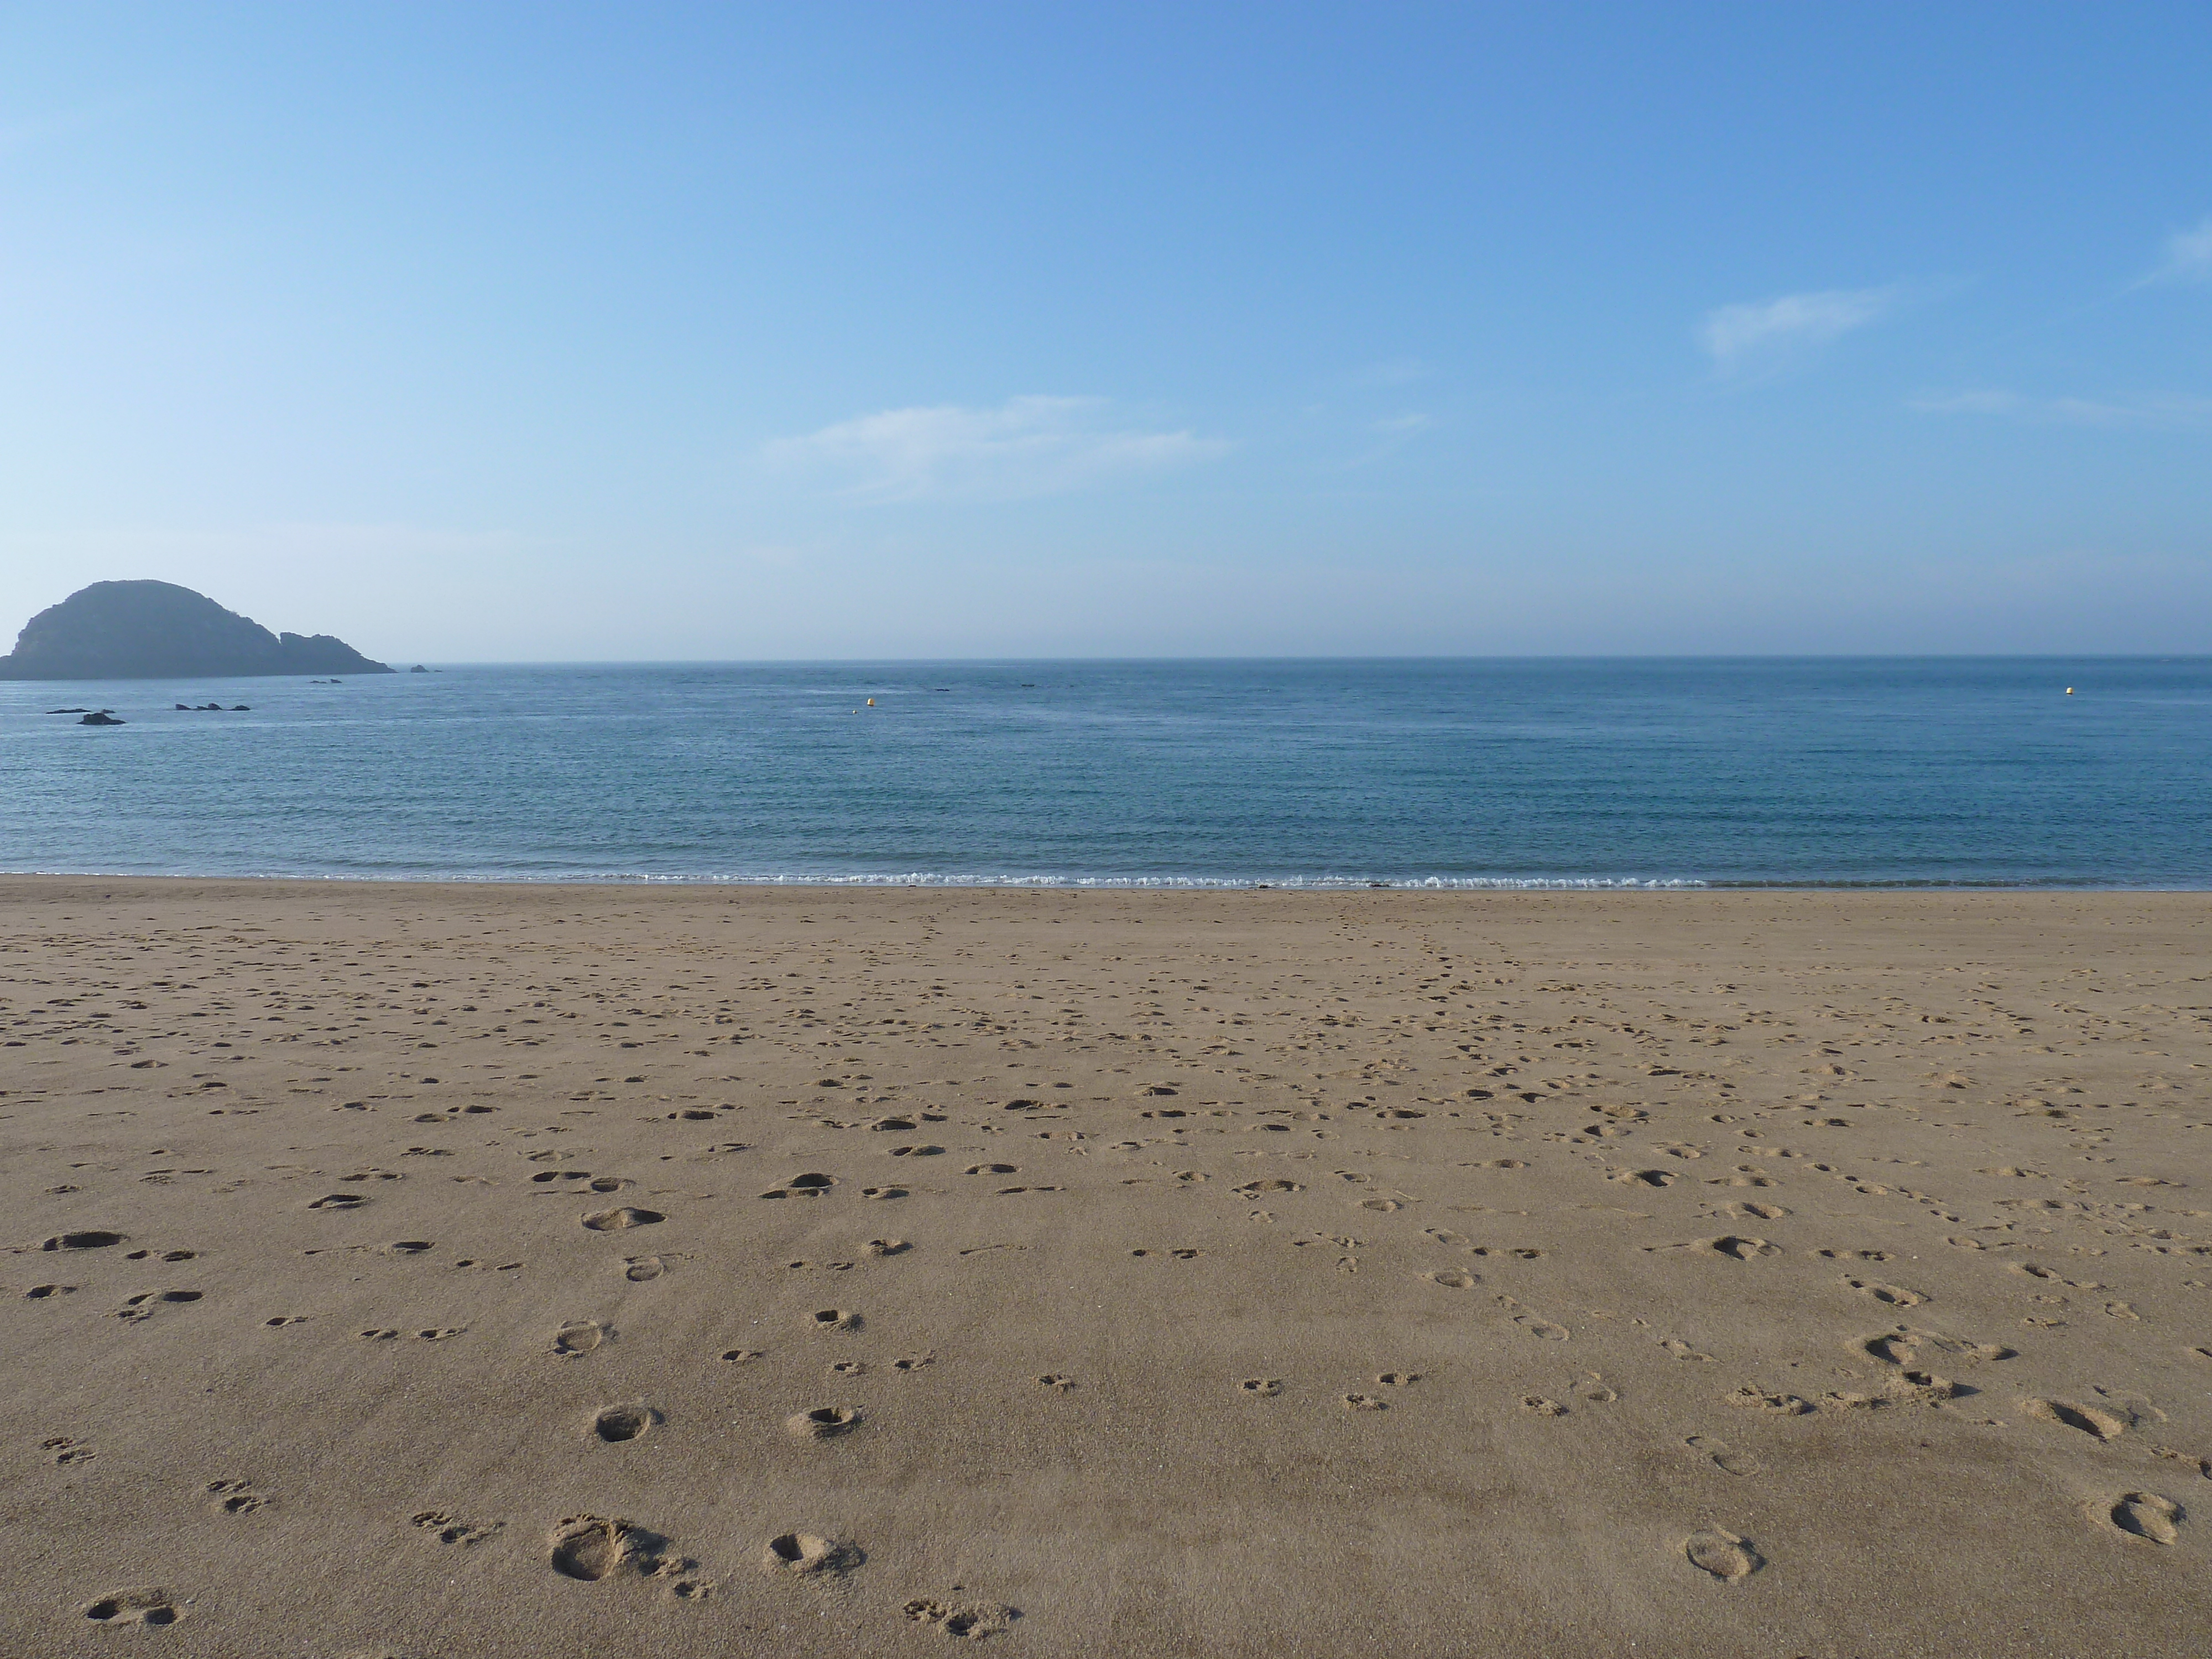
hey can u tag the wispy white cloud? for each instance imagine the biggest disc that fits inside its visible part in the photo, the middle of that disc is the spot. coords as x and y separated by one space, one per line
2188 258
1769 335
2171 411
1027 446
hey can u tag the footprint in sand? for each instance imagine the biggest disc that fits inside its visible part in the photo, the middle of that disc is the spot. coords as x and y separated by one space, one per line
972 1619
1365 1402
1727 1558
63 1450
1056 1382
84 1241
573 1341
2089 1419
741 1356
882 1191
40 1292
822 1422
1452 1279
338 1201
993 1169
802 1553
1893 1295
643 1269
1260 1387
1748 1398
591 1547
1537 1405
834 1319
1724 1456
616 1423
888 1247
1542 1329
135 1607
2148 1515
448 1530
621 1220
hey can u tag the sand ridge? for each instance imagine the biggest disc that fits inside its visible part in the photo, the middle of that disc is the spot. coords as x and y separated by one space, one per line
455 1270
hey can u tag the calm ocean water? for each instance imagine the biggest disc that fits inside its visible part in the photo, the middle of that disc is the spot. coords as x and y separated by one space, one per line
1458 773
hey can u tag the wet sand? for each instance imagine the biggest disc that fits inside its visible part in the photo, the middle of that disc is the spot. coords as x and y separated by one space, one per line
447 1271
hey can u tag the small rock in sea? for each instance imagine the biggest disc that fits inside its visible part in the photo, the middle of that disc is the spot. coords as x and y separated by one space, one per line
101 717
240 709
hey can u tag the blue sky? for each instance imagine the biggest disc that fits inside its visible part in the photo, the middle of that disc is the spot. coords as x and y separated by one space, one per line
555 332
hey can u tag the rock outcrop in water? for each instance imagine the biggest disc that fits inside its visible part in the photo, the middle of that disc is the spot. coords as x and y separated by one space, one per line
148 630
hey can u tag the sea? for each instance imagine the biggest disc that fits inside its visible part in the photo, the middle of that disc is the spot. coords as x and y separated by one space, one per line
1491 773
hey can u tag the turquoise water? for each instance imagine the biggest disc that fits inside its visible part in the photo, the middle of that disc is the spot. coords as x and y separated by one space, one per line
1456 773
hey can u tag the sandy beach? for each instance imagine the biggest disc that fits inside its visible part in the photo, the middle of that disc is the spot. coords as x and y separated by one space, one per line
455 1271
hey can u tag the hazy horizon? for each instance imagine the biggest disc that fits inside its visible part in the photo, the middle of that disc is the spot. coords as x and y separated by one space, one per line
550 334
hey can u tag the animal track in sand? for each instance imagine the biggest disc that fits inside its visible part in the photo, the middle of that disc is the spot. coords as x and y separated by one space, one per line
800 1552
1538 1406
574 1340
2149 1516
83 1240
134 1606
63 1450
616 1423
1365 1402
1260 1387
235 1497
834 1319
1727 1558
972 1619
448 1530
822 1422
1724 1457
849 1367
621 1220
2089 1419
1056 1382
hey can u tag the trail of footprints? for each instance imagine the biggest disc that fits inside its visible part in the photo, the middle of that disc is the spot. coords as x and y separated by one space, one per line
1916 1368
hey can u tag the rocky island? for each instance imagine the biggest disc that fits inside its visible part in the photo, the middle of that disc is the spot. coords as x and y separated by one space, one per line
149 630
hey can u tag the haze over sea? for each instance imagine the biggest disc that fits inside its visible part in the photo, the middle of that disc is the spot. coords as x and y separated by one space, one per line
1476 773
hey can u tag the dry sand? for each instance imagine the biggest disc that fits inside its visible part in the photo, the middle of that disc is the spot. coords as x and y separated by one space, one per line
460 1271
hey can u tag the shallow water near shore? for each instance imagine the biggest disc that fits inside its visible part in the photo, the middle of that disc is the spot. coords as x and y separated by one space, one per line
1472 773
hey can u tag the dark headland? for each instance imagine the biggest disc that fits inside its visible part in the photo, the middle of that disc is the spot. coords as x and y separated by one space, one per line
148 630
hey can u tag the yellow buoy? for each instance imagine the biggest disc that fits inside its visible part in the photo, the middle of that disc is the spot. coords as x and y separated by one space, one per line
2069 690
871 701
